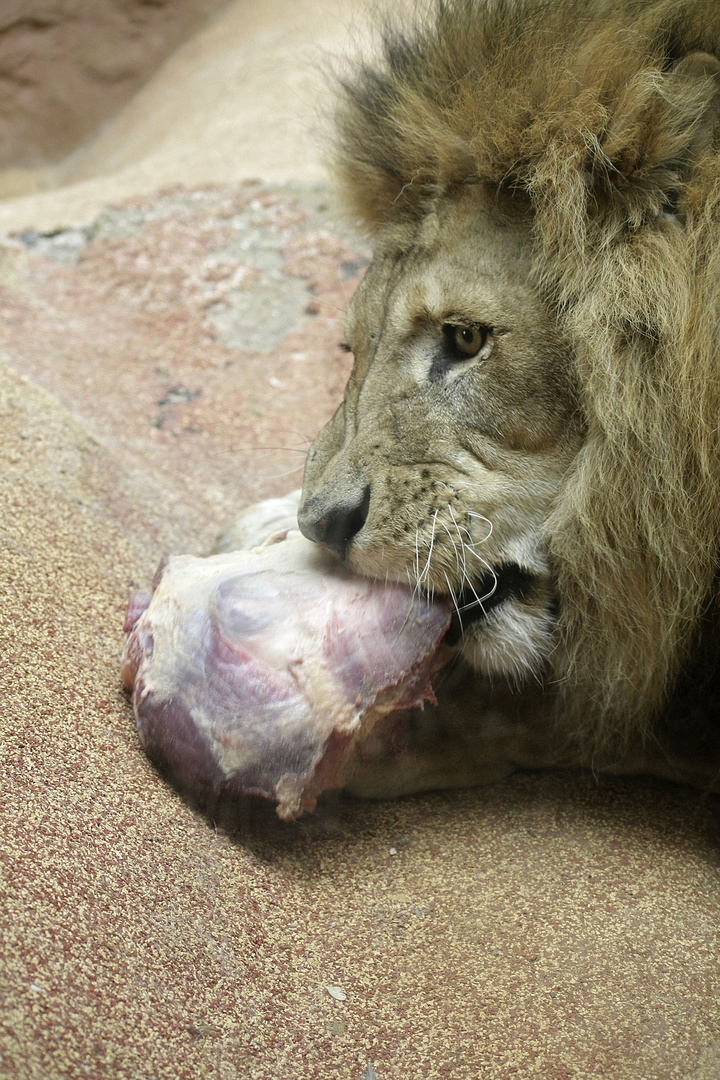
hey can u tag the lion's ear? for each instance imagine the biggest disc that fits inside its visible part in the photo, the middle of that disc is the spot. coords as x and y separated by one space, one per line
661 127
699 75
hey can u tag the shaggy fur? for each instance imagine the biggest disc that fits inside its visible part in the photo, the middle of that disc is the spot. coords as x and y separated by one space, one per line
594 113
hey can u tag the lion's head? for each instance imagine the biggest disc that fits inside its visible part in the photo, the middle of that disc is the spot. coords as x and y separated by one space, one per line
459 422
531 425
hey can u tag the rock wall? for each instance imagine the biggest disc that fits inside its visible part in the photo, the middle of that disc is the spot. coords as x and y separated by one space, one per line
65 66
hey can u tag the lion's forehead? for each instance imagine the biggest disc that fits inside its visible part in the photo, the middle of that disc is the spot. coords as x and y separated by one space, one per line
466 261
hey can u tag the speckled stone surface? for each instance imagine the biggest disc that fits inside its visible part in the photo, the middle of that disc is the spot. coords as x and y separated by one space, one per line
195 333
552 926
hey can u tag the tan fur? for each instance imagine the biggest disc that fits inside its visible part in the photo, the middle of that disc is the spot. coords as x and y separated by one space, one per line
593 127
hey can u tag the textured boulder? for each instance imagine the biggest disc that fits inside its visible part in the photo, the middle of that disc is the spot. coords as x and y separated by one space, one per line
196 335
66 67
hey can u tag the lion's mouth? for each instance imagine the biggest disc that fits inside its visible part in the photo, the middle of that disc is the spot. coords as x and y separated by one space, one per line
496 587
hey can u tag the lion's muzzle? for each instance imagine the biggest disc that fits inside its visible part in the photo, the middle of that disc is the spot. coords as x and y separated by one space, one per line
334 524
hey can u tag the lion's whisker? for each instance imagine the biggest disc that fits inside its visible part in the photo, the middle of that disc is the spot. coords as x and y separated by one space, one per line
481 599
481 517
280 475
416 564
260 450
454 600
460 569
462 545
426 569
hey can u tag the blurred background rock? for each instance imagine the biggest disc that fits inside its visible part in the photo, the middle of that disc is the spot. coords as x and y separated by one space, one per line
102 99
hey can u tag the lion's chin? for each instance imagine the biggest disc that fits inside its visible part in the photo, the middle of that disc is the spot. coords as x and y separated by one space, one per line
514 641
505 623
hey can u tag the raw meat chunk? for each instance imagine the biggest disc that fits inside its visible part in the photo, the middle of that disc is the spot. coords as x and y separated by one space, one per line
264 672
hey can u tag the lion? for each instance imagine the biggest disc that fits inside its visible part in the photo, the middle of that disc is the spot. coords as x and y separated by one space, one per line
531 426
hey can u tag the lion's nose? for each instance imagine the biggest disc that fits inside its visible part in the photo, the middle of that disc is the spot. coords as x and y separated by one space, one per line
336 525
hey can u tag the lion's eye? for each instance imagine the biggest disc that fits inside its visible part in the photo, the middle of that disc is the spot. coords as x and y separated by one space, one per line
467 340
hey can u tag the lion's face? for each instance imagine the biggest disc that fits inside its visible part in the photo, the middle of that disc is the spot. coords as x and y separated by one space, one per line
458 425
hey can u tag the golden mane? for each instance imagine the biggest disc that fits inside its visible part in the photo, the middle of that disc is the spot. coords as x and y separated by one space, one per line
597 115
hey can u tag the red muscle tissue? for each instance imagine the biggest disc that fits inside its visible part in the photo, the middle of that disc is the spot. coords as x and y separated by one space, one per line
266 672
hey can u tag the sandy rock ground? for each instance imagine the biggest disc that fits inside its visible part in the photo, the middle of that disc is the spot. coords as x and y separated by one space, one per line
164 356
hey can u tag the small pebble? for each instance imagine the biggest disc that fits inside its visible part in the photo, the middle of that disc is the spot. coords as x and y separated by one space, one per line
336 992
393 851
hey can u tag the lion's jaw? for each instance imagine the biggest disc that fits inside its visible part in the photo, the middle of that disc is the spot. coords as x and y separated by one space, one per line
440 468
